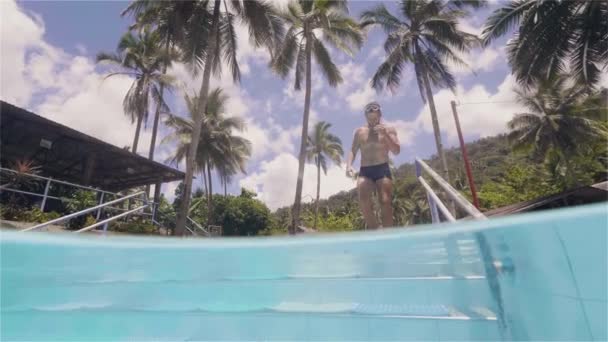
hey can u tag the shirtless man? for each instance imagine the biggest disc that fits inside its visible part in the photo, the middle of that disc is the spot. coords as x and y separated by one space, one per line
375 141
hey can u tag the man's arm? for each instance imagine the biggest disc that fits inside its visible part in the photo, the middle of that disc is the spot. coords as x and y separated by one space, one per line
352 154
393 141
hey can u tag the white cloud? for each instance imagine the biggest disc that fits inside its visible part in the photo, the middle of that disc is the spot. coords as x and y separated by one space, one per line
406 131
479 60
481 113
68 88
81 49
360 97
18 32
275 182
468 26
168 189
377 53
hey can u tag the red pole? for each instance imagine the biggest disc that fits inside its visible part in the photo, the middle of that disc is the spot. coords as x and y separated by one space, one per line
465 156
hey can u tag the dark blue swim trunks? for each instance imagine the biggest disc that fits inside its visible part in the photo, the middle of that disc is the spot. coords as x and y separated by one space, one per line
376 172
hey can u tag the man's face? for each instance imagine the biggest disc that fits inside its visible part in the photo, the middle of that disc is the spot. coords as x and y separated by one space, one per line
373 118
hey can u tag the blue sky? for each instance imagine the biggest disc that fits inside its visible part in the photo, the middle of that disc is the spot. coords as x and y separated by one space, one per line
52 45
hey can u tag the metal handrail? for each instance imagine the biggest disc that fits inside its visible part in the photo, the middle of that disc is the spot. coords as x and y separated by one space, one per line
197 225
78 213
50 180
444 210
56 181
113 218
452 193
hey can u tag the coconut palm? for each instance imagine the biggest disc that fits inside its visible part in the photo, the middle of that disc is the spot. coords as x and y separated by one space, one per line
168 19
555 120
140 56
552 36
427 36
211 39
322 145
218 147
308 21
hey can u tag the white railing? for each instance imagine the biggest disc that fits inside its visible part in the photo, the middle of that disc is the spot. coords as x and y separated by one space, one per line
435 203
88 210
193 229
102 194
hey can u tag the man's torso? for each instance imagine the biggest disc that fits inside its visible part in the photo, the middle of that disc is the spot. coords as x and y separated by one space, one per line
374 148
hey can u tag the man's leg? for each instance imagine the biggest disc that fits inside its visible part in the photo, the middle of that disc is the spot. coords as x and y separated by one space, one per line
366 188
385 195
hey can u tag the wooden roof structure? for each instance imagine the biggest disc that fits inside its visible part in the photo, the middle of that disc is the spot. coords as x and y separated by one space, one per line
66 154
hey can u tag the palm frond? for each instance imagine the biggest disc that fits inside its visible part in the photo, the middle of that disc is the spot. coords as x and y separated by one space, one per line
504 19
329 69
379 15
285 57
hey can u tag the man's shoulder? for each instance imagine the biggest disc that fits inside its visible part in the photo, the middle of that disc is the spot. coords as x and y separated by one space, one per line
360 129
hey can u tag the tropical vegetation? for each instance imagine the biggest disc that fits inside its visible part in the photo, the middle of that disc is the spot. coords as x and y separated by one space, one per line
552 37
428 36
219 148
323 145
311 23
140 57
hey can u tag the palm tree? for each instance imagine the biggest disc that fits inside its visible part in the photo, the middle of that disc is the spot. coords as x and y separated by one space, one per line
208 40
323 145
552 36
428 37
168 19
555 120
140 57
308 21
218 147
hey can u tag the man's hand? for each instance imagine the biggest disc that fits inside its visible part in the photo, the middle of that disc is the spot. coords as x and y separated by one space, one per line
380 129
350 172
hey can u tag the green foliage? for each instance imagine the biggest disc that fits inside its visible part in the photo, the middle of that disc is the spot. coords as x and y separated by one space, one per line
501 178
134 226
244 216
331 222
551 37
16 213
238 215
79 200
520 183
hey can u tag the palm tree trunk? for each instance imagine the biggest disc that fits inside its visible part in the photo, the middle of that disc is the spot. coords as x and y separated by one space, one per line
302 158
436 131
210 196
318 191
137 131
204 176
225 188
158 107
196 132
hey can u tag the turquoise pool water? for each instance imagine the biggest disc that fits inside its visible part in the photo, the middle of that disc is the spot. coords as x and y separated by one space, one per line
535 277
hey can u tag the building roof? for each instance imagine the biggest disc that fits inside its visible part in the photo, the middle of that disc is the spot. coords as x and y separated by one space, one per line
67 154
583 195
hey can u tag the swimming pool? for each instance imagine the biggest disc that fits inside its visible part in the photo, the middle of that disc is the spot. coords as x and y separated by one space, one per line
537 276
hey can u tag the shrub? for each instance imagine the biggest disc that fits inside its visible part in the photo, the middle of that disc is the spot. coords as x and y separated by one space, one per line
135 226
14 213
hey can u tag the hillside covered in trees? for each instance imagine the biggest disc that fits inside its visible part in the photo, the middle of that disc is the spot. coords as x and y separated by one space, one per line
502 177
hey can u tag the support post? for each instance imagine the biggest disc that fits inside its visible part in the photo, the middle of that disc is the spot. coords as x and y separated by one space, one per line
465 157
99 211
46 193
432 204
434 211
89 167
156 199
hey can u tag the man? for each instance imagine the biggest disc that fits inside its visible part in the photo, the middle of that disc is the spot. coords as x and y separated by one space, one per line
375 141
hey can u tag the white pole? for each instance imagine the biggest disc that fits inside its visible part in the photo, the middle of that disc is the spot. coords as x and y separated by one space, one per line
46 193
